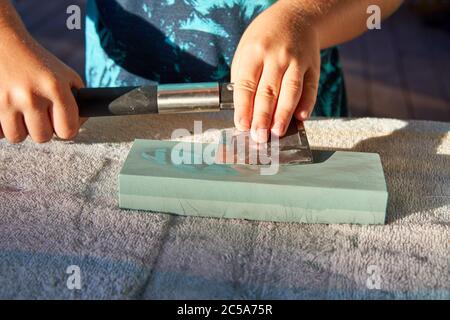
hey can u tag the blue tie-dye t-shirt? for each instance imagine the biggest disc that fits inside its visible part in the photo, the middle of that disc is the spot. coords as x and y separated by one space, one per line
132 42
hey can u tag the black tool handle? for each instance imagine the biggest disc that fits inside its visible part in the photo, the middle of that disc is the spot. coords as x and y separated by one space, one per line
103 102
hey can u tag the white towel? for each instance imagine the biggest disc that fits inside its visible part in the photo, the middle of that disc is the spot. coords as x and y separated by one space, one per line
58 208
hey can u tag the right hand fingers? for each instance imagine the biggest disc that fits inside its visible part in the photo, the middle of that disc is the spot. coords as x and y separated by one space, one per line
266 101
290 93
246 72
309 96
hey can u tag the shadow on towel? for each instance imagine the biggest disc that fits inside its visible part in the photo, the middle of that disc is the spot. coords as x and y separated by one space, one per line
106 278
415 183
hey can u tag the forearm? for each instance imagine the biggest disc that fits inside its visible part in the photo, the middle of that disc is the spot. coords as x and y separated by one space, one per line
11 25
338 21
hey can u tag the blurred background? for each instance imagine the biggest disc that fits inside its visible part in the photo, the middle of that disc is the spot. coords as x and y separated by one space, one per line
401 71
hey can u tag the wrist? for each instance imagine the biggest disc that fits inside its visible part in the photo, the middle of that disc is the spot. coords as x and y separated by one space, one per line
305 17
14 36
11 26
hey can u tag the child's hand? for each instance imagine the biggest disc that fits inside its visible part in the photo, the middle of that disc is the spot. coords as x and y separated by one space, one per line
35 92
275 71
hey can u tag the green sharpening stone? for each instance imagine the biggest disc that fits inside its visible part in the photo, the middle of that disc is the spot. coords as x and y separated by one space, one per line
340 187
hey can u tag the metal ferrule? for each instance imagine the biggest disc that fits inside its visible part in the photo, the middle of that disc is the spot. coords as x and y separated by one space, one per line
188 98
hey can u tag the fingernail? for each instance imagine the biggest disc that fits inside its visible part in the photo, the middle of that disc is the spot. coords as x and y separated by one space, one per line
304 115
244 124
278 129
259 135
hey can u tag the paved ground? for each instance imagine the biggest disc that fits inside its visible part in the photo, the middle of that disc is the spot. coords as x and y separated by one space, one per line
401 71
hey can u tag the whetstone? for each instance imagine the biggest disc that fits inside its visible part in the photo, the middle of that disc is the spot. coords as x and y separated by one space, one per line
340 187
